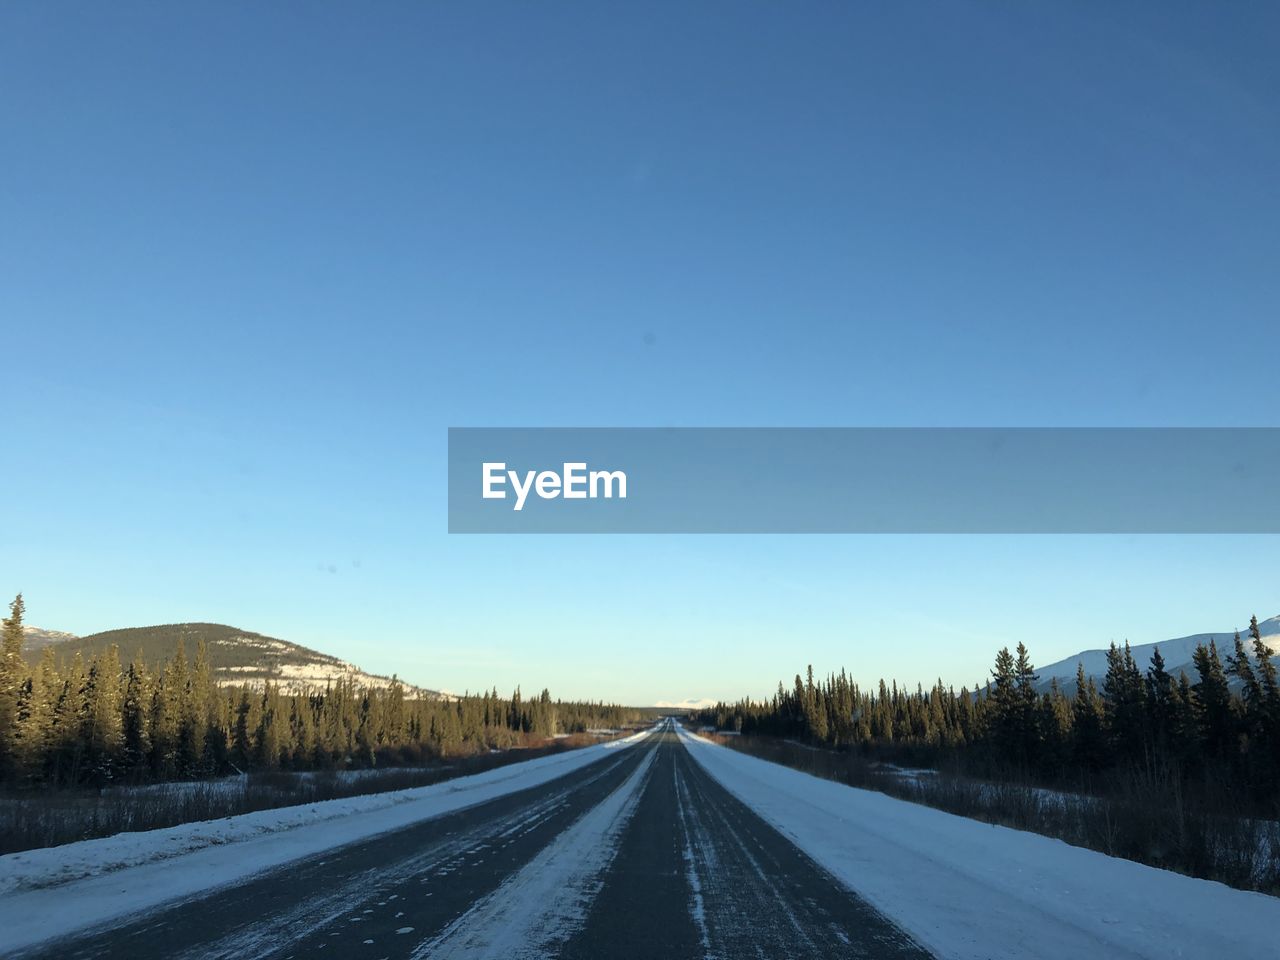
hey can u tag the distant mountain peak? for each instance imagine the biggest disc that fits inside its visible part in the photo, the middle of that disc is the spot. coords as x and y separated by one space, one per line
37 638
690 703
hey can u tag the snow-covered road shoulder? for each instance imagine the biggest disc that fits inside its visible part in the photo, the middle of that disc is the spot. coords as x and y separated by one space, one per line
966 889
128 872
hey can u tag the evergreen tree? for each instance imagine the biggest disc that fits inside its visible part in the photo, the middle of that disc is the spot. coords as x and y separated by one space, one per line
1124 696
1087 722
100 717
815 715
241 742
515 714
269 736
1006 706
1212 703
1266 671
1027 718
1253 709
134 715
11 678
1266 752
66 747
165 718
1055 726
34 731
1160 699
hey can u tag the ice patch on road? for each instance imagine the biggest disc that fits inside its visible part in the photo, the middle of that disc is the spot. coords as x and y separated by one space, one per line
543 904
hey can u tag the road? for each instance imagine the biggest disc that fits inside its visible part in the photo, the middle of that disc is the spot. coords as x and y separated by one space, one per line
641 854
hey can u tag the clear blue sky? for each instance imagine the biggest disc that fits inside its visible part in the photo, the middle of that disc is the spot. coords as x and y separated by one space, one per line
254 261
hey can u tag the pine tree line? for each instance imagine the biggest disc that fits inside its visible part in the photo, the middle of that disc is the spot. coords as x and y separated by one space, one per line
1222 723
98 721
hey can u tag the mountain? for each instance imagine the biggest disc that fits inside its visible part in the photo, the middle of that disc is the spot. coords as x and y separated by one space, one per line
237 656
37 638
1177 655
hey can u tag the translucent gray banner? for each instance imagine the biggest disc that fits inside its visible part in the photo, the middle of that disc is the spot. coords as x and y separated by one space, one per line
864 480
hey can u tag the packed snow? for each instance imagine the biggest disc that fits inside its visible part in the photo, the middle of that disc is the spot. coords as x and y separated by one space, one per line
972 891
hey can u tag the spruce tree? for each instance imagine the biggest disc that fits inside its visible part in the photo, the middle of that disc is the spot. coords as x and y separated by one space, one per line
269 737
101 733
1160 694
1087 713
1124 695
165 718
1212 703
65 747
1055 730
242 737
1005 706
1268 746
36 732
815 717
134 715
12 669
1027 718
1238 666
1267 680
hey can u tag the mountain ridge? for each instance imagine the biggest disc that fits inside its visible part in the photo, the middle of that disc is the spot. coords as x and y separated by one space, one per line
237 656
1177 653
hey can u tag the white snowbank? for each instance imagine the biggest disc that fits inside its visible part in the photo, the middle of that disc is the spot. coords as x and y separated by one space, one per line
966 889
57 890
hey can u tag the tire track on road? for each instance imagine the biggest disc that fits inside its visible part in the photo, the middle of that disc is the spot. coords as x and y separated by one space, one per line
699 875
537 909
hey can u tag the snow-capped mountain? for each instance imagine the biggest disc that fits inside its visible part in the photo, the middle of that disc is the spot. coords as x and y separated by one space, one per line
1176 652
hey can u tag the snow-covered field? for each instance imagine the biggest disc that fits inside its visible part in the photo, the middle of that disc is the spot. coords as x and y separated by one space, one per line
93 881
966 889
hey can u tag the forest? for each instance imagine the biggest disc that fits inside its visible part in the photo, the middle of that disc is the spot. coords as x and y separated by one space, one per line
94 721
1180 772
1219 727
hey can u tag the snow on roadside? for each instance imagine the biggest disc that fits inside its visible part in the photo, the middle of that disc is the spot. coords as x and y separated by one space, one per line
969 890
95 880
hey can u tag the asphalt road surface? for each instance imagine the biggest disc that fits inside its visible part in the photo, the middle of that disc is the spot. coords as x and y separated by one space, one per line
641 854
